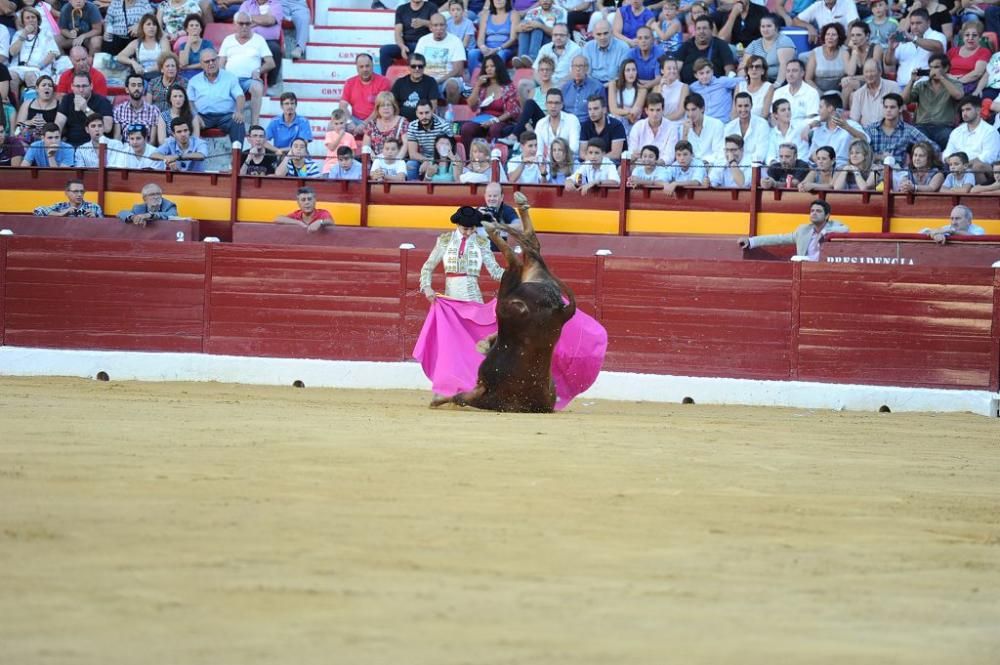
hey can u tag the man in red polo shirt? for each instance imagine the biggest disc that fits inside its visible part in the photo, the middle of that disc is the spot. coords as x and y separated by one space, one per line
360 92
307 216
82 64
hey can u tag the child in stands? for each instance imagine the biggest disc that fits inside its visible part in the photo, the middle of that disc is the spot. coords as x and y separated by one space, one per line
388 167
524 169
959 180
647 173
337 136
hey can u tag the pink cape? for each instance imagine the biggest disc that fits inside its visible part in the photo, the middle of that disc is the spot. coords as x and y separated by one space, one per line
447 352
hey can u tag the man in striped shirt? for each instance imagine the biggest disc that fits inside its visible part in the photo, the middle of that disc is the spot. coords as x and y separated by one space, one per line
421 136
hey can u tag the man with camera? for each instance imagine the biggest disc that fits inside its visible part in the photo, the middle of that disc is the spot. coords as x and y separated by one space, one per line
912 49
936 95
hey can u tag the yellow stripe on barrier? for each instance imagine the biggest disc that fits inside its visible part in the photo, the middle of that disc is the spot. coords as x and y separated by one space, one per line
678 221
25 201
779 222
915 224
545 219
265 210
196 207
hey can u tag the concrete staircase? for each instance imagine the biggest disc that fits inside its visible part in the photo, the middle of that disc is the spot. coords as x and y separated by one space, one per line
341 30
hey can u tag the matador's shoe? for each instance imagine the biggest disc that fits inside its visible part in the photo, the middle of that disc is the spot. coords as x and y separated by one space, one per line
522 201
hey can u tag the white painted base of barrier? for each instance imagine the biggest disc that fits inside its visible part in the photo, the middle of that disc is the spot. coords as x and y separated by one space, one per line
139 366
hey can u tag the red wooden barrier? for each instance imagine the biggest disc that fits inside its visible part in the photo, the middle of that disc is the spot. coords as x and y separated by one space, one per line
110 228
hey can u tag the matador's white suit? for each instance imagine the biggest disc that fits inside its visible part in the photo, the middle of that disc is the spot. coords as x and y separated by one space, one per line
463 259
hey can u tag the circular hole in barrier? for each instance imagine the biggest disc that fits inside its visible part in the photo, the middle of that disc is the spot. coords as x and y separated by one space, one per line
884 409
102 376
687 400
298 384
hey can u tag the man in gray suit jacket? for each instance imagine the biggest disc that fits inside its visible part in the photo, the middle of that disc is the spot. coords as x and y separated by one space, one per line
153 207
806 238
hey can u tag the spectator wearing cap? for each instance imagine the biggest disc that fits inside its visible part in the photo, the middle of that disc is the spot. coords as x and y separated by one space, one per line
288 126
218 96
182 151
308 216
73 206
135 110
73 110
137 153
50 150
153 207
247 56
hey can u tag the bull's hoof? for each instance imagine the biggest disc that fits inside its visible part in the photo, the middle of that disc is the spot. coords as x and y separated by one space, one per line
522 201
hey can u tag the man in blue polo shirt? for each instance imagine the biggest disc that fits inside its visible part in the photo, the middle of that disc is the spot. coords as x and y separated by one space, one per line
50 150
287 127
579 88
218 96
605 53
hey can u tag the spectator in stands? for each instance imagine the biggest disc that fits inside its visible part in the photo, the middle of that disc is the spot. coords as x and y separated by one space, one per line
497 209
413 21
11 148
802 97
267 17
890 137
992 16
775 48
627 20
686 171
247 56
389 166
821 13
136 154
646 54
866 101
560 163
346 167
32 51
557 124
736 173
408 90
717 92
858 173
444 59
74 109
705 134
992 187
458 24
171 15
143 53
827 64
647 172
881 23
73 206
960 225
360 92
159 86
135 110
600 125
822 176
494 96
673 90
784 130
218 97
182 151
977 139
561 50
308 216
912 49
807 238
336 138
531 94
256 160
788 171
297 163
626 96
80 24
287 126
421 137
653 129
222 11
753 81
959 179
704 45
444 165
596 171
388 123
750 127
535 30
604 53
669 28
579 88
179 107
477 169
741 24
859 51
924 173
153 207
989 84
497 33
86 155
35 113
121 24
832 128
525 170
83 63
936 97
189 56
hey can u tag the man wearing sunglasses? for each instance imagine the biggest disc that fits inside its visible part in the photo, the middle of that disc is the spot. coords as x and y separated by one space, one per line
408 90
73 206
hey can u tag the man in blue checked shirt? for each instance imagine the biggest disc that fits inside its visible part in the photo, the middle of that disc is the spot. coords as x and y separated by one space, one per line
73 206
287 127
891 136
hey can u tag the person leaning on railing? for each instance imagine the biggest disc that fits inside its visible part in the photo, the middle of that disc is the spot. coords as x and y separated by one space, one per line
153 207
960 224
806 238
308 216
73 206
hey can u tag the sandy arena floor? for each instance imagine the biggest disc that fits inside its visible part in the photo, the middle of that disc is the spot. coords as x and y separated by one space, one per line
221 524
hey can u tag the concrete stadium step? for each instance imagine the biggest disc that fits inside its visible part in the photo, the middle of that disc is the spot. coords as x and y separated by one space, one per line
351 35
339 52
332 90
319 71
360 18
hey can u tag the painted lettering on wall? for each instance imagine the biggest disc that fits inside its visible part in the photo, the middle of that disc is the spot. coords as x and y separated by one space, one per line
872 260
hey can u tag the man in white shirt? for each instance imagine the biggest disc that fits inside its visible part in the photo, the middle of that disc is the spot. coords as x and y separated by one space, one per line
832 129
138 154
736 173
784 130
561 49
445 57
977 139
822 12
652 130
597 171
704 133
803 98
556 124
749 126
920 44
246 56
